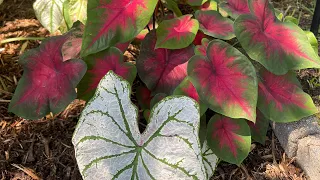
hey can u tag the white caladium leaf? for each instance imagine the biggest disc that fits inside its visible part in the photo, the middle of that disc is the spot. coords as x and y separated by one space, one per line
78 10
49 13
210 160
109 145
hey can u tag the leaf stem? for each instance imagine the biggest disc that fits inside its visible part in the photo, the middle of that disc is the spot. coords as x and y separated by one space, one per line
21 39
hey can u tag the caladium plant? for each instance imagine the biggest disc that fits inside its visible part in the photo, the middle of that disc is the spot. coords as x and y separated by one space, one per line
234 58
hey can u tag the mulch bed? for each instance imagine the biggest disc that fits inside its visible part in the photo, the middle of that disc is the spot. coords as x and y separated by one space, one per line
42 149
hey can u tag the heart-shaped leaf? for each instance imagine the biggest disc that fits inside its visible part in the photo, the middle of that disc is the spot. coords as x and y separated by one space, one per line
225 80
228 138
173 6
113 21
78 10
177 33
186 88
162 70
157 98
235 8
48 83
49 13
281 98
98 66
109 145
260 128
202 49
278 46
213 24
210 160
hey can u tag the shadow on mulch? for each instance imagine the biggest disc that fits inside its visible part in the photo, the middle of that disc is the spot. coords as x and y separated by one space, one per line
42 149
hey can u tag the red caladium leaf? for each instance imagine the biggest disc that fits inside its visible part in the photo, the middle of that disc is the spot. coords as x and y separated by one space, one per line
177 33
186 88
100 64
235 7
197 40
48 83
162 70
281 98
278 46
226 80
196 2
202 49
213 24
113 21
144 97
260 128
229 138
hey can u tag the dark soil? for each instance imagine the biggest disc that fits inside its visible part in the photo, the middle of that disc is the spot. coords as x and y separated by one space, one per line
42 149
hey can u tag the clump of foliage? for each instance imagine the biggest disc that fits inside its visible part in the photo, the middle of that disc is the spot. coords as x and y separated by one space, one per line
235 57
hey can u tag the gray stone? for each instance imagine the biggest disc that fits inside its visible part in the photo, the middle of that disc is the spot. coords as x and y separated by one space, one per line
301 139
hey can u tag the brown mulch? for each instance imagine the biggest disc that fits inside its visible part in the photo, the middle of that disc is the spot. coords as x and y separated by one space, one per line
42 149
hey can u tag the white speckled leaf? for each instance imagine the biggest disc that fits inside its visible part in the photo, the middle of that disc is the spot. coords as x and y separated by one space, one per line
78 10
210 160
49 13
108 144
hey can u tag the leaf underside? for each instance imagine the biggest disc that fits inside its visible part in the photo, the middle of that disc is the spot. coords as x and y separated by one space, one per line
108 144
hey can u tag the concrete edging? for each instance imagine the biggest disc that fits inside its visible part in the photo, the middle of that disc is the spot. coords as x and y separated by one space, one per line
301 140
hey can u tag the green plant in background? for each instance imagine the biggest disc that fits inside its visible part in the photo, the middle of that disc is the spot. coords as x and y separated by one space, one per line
207 56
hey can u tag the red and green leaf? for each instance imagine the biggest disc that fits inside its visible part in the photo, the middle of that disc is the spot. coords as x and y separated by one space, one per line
144 97
186 88
278 46
281 98
226 80
235 8
100 64
202 49
228 138
162 70
260 128
113 21
196 2
177 33
48 83
213 24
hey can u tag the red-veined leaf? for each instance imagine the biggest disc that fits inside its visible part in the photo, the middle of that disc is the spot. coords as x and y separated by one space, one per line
100 64
213 24
260 128
235 8
196 2
113 21
157 98
177 33
162 70
197 40
278 46
228 138
202 49
281 98
226 80
186 88
48 83
144 97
